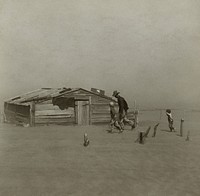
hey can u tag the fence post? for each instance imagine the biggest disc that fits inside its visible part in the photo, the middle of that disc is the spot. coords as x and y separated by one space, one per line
136 118
147 131
141 137
181 127
86 140
155 129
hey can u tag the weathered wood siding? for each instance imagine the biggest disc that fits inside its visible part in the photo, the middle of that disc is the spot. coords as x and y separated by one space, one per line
99 106
16 113
47 113
94 110
100 110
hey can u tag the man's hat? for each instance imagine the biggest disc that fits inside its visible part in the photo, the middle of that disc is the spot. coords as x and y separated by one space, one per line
115 93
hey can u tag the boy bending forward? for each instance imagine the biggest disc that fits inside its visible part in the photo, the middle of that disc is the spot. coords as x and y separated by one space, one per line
114 122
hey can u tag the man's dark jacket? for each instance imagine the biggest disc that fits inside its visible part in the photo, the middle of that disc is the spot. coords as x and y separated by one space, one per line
123 106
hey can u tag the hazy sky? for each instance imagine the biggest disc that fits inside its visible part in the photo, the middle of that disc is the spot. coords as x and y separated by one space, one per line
149 50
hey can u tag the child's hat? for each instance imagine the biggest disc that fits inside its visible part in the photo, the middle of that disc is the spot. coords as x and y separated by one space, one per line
168 110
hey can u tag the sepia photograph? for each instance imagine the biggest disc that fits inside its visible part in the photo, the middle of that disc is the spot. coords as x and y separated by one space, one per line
99 98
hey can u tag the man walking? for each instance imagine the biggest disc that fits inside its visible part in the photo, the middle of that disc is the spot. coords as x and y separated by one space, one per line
123 109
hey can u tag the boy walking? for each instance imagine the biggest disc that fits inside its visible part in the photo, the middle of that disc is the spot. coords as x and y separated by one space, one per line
113 115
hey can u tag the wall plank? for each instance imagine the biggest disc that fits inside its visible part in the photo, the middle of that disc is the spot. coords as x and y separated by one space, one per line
53 117
54 121
41 107
54 112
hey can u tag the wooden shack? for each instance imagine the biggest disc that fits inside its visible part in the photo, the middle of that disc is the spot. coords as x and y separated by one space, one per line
59 106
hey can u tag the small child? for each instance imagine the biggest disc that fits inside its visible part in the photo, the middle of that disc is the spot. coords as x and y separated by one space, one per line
113 115
170 119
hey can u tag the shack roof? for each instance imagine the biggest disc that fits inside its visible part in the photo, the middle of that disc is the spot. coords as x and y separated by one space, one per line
46 94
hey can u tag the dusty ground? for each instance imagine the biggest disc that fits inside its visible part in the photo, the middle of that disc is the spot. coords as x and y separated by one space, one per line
52 161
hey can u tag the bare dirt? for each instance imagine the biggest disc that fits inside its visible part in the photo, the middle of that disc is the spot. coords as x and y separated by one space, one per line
51 160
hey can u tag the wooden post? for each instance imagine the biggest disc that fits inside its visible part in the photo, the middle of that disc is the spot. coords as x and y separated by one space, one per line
32 114
2 117
147 131
75 113
155 129
181 128
141 137
79 112
90 110
136 118
86 140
